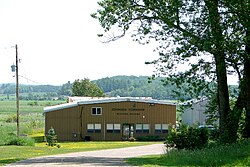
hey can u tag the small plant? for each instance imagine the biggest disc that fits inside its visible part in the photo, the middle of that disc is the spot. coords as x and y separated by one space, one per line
52 137
58 145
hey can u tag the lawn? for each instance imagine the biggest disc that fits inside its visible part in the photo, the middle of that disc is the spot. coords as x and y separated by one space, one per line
230 155
10 154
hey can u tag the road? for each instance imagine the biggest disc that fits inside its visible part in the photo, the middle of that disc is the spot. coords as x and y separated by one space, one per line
111 157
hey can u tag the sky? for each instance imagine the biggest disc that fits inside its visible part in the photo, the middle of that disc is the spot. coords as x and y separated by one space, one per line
57 42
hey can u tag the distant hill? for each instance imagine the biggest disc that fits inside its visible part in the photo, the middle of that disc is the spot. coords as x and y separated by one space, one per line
112 86
134 86
11 88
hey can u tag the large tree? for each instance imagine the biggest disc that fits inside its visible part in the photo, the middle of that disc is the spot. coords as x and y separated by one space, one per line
84 87
199 33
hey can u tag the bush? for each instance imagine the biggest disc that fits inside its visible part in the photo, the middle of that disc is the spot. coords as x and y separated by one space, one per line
21 141
6 134
150 138
187 138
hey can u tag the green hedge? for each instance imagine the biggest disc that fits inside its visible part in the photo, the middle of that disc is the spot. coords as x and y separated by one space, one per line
150 138
187 138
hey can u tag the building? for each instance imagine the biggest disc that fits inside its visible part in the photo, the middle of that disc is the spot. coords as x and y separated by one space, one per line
195 113
110 119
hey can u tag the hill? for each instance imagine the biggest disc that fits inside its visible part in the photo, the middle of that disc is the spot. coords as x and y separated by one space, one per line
112 86
134 86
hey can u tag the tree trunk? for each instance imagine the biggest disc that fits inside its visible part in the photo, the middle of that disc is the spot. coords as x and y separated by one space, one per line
246 132
219 55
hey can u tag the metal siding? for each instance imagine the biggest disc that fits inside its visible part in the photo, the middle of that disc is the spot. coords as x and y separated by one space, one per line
153 114
66 122
69 121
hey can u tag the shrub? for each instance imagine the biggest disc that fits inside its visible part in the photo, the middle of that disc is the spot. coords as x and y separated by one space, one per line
187 138
21 141
150 138
51 137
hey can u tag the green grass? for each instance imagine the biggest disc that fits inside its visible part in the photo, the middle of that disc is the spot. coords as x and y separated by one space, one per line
16 153
31 117
9 106
230 155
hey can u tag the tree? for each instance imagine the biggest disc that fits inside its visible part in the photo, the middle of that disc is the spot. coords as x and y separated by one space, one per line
66 89
84 87
191 32
51 137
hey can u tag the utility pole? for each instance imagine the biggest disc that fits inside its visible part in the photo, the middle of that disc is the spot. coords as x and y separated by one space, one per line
17 94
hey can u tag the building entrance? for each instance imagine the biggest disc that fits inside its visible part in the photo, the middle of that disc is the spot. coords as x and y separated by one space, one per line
127 131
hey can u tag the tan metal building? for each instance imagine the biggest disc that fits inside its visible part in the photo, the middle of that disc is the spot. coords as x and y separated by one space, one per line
110 119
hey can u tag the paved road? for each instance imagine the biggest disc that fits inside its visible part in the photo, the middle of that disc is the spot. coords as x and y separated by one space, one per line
112 157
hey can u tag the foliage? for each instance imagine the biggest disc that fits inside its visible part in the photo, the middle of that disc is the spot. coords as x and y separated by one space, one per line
236 154
11 88
127 86
143 86
7 137
21 141
134 86
85 87
33 103
198 41
66 89
34 92
150 138
187 138
51 137
11 118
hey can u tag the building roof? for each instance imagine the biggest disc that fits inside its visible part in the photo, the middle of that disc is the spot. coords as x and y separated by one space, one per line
106 100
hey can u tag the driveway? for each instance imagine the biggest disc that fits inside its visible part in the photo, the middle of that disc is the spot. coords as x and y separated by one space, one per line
111 157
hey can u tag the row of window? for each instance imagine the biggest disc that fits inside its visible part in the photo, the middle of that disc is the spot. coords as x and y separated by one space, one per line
96 110
116 128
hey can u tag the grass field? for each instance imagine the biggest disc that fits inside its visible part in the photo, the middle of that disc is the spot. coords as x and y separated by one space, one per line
229 155
31 114
31 117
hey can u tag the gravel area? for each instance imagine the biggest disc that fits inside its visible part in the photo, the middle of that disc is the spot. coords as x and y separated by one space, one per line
111 157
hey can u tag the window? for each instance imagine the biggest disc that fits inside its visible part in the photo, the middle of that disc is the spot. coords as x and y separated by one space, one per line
142 128
161 128
96 111
113 128
94 128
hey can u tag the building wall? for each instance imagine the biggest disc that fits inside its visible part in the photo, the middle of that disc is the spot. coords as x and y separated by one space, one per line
66 122
195 115
72 124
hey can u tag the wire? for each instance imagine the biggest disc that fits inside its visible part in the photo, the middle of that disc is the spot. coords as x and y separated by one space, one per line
30 80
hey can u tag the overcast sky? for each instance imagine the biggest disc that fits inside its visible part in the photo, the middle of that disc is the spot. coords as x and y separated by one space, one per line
57 41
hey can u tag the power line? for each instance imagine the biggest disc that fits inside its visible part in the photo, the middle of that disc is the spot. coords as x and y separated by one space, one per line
30 80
